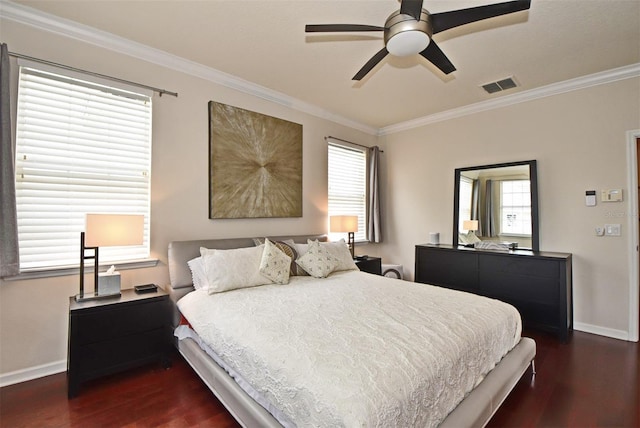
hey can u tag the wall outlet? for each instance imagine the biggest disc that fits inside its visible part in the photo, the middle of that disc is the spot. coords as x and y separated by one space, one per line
600 231
612 229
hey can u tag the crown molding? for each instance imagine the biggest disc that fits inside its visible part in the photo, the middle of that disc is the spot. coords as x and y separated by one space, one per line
86 34
609 76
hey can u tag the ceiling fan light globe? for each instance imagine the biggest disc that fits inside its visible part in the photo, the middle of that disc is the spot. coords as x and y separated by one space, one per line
408 43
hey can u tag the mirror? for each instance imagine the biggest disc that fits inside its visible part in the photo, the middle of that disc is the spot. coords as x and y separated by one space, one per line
496 203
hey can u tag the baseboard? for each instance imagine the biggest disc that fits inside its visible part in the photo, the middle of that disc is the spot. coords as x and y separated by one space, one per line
31 373
601 331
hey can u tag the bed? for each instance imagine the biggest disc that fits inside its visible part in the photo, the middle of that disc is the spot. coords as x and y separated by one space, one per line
331 396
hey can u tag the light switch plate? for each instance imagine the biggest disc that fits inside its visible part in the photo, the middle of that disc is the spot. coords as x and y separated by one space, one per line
612 229
611 195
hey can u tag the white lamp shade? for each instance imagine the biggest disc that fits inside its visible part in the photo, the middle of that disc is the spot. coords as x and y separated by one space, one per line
109 230
343 223
470 225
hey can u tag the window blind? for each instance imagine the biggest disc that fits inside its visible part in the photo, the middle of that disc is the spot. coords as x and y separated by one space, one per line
81 147
347 184
464 202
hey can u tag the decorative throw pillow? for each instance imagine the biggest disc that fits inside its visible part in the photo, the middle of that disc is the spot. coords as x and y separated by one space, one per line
288 248
275 264
317 261
295 249
231 269
340 250
198 273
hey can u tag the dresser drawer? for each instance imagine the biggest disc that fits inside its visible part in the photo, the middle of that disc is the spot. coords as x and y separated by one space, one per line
512 284
522 266
458 271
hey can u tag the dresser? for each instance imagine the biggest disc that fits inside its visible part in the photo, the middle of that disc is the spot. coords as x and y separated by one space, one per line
111 335
537 283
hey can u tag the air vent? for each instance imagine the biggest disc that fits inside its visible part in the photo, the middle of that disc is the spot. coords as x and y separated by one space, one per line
500 85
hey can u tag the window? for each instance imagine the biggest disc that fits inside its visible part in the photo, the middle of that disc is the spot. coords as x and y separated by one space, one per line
81 147
347 184
515 207
464 208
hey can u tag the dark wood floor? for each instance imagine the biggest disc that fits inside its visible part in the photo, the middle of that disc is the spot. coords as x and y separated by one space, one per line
590 382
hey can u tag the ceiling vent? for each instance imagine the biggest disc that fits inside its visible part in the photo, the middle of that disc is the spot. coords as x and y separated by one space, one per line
500 85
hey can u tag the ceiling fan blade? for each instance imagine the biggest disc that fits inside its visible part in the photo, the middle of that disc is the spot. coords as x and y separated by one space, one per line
446 20
371 63
434 55
328 28
411 7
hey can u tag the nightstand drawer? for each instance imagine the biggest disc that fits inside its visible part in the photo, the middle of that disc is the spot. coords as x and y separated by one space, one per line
117 320
370 264
122 352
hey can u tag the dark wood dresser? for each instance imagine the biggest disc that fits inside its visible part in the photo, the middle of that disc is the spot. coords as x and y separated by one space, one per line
537 283
111 335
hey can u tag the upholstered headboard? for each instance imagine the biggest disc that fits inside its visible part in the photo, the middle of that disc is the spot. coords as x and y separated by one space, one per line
180 252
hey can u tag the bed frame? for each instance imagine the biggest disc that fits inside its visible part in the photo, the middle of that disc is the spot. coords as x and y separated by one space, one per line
474 411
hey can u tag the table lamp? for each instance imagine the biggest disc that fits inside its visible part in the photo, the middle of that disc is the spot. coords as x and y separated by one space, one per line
342 224
106 230
470 226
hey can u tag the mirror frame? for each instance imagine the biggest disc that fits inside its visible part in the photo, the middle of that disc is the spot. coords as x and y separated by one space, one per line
533 177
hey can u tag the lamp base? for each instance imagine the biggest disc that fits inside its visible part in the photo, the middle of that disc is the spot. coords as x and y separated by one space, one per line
85 298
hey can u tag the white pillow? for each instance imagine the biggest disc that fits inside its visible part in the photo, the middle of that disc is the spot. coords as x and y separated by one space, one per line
317 261
275 264
340 250
232 269
198 273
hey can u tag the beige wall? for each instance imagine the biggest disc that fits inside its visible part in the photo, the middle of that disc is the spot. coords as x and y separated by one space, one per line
33 313
579 140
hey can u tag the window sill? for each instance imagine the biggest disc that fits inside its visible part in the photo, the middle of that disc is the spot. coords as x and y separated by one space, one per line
75 270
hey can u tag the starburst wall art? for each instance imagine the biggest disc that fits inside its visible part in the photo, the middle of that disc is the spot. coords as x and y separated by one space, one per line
255 164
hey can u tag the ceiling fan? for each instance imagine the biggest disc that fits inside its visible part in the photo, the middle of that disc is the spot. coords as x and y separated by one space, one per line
408 31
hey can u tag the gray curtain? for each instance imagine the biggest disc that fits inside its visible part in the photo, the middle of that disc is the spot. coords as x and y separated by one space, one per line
488 226
374 221
9 257
475 200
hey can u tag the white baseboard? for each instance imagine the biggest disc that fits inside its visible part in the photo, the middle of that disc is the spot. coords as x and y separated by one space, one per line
601 331
33 373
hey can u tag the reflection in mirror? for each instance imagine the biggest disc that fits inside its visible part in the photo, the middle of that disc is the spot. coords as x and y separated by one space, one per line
496 205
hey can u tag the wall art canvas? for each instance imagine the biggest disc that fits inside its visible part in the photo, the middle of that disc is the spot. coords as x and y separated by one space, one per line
255 164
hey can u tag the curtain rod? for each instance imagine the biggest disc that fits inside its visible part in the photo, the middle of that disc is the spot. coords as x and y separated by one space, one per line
345 141
91 73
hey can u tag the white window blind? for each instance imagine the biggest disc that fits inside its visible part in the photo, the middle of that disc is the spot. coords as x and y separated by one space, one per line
347 184
81 147
464 207
515 209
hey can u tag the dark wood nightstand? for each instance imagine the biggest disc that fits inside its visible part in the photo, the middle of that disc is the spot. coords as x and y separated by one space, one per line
370 264
108 336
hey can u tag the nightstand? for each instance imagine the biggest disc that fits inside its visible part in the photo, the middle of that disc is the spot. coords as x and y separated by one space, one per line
370 264
108 336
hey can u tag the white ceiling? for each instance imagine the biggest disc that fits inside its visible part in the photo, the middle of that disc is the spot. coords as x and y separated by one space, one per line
264 42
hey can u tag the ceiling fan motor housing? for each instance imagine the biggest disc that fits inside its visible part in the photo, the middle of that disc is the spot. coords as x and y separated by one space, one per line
404 35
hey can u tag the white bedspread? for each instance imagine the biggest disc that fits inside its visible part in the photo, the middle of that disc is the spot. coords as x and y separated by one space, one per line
356 349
